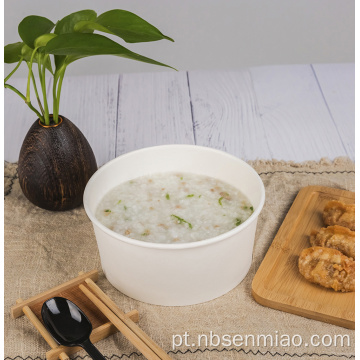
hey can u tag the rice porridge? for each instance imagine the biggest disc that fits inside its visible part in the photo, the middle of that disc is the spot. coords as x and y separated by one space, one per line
173 208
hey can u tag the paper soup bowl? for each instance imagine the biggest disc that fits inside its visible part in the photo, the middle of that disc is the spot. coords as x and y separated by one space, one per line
176 274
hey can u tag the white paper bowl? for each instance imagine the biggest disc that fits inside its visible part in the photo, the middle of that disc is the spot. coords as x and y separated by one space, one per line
176 274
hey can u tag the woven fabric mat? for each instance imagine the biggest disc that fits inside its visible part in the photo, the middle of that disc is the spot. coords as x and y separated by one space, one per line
44 249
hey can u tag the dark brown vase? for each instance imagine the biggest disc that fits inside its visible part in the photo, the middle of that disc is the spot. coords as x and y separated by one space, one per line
55 163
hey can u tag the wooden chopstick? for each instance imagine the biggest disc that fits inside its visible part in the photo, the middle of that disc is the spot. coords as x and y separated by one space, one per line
121 315
123 328
43 331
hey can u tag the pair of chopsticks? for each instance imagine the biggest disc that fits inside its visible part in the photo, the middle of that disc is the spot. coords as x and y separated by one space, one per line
125 325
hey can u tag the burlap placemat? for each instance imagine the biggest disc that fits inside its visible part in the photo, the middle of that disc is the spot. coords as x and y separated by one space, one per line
44 249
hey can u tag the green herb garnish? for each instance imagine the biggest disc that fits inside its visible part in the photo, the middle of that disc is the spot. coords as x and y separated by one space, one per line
251 208
180 220
219 201
199 196
191 195
237 222
118 202
108 210
181 178
167 196
125 207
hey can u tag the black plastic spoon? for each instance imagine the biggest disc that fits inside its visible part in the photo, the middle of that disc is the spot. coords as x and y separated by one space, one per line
68 325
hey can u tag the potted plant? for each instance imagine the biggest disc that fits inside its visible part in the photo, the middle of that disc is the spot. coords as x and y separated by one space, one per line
56 161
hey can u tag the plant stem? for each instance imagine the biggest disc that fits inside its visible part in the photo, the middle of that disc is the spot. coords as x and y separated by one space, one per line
58 79
16 67
28 103
37 94
43 87
25 98
59 88
29 76
55 109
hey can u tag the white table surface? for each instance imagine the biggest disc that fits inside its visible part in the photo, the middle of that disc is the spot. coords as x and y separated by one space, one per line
287 112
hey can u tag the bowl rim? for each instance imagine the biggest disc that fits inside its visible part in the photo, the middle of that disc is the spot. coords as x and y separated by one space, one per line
199 243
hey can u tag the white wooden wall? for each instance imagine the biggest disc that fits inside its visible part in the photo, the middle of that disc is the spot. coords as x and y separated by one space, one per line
294 112
212 34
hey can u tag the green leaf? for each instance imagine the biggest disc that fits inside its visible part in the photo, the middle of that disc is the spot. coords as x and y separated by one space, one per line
66 24
59 61
78 45
48 65
128 26
43 40
26 52
12 52
32 27
89 27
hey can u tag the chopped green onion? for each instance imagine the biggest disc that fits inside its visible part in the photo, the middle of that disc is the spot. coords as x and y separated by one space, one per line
180 220
167 196
191 195
219 201
181 178
251 208
108 210
237 222
199 196
118 202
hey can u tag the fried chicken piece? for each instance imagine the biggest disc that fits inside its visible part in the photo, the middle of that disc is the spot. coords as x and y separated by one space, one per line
335 237
328 267
338 213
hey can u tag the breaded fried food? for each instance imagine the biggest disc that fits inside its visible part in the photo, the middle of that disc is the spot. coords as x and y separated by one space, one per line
328 267
335 237
338 213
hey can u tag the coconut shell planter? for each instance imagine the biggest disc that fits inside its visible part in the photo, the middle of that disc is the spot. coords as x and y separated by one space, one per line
56 161
55 164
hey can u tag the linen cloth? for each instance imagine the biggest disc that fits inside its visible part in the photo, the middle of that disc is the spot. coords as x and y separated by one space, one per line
44 249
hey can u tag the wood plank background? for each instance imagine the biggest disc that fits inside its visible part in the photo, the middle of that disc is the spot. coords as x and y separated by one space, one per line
293 112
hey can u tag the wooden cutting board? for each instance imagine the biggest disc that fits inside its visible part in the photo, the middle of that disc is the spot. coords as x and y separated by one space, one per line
278 283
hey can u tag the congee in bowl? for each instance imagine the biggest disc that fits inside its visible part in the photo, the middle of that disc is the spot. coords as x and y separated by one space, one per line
158 216
173 207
